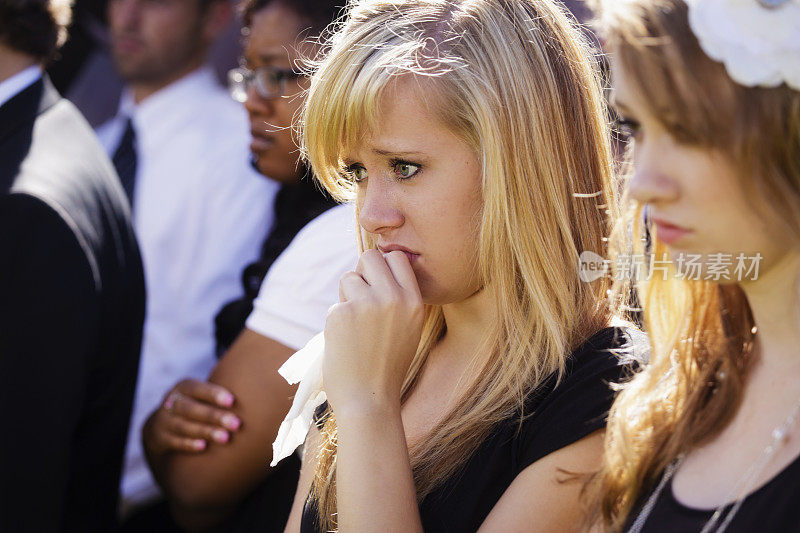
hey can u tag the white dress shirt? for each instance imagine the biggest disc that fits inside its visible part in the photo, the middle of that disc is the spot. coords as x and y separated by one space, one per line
303 282
20 81
201 213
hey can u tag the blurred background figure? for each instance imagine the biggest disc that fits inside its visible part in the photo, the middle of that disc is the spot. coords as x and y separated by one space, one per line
269 84
83 70
200 211
210 443
581 11
72 291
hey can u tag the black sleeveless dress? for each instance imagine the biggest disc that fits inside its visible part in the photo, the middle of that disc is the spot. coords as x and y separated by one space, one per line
555 417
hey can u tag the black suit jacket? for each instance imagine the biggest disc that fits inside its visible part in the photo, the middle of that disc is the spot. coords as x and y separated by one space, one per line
71 314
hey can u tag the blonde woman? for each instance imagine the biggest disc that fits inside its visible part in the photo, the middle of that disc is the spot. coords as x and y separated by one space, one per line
467 366
707 437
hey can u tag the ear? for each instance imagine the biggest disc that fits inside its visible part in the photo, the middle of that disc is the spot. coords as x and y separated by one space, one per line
216 18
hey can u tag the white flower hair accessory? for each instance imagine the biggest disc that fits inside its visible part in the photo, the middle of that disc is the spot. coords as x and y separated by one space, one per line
758 41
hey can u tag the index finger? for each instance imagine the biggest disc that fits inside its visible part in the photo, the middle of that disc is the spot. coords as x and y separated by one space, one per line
373 269
207 392
403 273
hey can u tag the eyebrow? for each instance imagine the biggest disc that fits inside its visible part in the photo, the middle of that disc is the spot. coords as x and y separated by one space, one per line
393 153
269 57
396 154
619 105
274 56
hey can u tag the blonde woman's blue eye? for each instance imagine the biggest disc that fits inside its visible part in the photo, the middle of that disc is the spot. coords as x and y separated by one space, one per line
405 170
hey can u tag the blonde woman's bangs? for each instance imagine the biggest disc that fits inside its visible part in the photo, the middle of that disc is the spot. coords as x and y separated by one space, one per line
517 82
337 114
343 103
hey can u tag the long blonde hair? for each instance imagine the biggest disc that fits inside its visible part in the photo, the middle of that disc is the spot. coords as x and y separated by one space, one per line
515 79
701 333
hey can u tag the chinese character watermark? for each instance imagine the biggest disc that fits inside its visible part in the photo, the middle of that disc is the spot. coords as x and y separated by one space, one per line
719 267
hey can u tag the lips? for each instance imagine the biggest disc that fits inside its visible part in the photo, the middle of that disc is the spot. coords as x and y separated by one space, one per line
260 141
669 233
126 44
412 256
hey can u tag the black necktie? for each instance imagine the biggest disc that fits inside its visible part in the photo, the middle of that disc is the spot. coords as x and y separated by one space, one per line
125 160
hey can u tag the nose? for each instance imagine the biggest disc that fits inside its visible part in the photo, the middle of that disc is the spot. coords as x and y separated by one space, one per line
257 105
651 181
379 211
124 14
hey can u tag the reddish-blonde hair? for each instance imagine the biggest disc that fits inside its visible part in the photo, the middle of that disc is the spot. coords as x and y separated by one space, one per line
701 333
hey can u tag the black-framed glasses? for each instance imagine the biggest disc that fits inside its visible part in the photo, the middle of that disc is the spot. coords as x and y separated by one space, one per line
269 81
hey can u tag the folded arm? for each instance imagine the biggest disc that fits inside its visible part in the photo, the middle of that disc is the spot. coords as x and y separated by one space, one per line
204 488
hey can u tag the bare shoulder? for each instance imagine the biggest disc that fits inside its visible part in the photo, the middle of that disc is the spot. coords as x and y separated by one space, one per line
547 493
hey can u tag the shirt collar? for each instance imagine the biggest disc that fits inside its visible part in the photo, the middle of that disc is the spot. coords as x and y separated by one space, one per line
18 82
166 101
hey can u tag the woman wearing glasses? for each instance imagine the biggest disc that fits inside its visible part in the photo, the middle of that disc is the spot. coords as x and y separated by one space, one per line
209 443
269 85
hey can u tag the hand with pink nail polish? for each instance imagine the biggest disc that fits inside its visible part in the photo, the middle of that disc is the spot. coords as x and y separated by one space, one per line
233 437
193 415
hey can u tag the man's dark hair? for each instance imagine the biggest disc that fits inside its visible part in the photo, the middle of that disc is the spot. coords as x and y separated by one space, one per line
34 27
318 13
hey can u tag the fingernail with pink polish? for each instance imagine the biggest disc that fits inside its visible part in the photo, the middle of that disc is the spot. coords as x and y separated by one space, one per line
220 435
199 444
231 422
225 398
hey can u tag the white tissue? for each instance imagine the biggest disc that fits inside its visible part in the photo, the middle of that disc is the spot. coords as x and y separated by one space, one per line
304 366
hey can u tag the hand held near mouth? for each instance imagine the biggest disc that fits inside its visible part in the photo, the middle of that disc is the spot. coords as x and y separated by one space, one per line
371 336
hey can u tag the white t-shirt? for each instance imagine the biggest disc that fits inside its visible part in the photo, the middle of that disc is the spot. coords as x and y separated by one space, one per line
304 281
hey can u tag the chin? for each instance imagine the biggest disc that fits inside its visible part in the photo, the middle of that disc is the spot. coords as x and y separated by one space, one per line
432 296
259 166
279 175
434 293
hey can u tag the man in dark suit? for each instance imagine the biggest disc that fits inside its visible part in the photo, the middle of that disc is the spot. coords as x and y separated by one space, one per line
71 295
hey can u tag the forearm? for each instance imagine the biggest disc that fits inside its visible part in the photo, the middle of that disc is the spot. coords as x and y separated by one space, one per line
198 519
223 473
194 481
375 486
159 457
155 455
190 503
187 515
